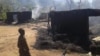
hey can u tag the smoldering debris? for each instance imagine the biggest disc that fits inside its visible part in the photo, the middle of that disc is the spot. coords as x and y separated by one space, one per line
44 41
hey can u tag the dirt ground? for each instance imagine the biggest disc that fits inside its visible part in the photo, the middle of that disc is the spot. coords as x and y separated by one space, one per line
9 39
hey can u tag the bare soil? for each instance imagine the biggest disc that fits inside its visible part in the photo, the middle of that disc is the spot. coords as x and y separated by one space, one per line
9 39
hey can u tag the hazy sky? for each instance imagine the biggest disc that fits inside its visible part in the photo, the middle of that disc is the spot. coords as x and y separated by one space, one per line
73 0
83 0
59 4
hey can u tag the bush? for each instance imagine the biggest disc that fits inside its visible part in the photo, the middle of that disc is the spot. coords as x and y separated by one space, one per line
3 16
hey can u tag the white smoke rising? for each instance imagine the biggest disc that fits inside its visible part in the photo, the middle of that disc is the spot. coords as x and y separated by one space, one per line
36 10
38 6
59 5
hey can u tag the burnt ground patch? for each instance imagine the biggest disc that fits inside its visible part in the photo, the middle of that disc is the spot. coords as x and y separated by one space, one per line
44 41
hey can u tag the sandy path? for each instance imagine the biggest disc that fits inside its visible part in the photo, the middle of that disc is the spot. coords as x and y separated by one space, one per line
8 42
9 37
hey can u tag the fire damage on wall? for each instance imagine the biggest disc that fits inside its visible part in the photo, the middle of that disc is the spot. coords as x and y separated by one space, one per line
69 30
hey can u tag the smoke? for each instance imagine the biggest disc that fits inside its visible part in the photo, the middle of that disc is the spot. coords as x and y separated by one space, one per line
36 10
60 5
39 6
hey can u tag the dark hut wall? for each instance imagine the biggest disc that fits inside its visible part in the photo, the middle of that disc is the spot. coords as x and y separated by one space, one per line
22 16
70 22
9 19
25 16
74 23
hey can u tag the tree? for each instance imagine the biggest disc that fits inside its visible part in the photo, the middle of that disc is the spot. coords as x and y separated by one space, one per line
5 6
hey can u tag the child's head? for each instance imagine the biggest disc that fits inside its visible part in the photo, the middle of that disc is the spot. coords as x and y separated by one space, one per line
21 31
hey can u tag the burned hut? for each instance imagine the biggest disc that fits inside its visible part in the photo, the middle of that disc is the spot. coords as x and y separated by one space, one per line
18 17
74 24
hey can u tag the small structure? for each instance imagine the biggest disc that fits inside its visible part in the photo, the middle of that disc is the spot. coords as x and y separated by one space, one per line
74 23
18 17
